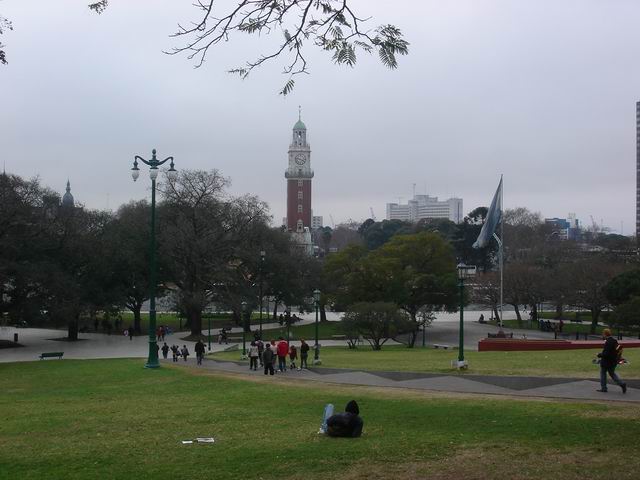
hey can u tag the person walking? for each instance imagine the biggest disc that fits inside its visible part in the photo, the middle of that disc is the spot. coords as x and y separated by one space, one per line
175 352
283 350
267 360
260 346
253 356
131 332
609 362
304 353
199 352
293 357
165 350
185 352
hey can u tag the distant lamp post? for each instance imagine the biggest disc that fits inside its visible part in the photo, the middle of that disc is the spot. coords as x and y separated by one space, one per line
172 174
316 298
287 319
262 255
464 272
209 336
243 317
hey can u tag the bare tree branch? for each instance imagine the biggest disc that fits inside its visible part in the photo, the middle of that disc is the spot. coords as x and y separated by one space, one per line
328 24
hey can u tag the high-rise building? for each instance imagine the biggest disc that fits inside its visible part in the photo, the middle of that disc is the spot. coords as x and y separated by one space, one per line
638 170
424 207
299 175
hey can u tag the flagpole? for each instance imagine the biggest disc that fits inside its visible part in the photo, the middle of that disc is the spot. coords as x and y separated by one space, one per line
501 249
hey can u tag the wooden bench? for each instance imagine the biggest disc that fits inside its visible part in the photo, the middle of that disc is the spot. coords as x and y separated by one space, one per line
51 355
439 345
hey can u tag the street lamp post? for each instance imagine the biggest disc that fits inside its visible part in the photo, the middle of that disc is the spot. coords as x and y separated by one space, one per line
244 320
287 319
209 338
464 271
262 255
154 163
316 298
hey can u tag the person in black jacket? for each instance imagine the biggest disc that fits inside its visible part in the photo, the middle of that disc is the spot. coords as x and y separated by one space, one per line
267 359
347 424
609 362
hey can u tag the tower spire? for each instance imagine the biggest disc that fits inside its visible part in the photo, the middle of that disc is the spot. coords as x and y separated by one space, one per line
299 113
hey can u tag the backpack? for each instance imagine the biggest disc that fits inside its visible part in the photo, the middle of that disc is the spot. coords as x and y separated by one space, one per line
619 358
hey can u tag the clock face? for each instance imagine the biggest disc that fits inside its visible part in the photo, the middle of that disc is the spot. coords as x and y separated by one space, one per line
300 159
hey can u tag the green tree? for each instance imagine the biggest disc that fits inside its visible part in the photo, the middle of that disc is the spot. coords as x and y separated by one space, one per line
377 322
418 273
626 315
623 287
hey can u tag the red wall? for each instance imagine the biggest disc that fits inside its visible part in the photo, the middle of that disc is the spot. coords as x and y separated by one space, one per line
508 344
292 204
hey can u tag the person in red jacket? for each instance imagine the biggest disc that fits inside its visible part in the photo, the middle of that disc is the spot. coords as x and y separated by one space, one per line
283 350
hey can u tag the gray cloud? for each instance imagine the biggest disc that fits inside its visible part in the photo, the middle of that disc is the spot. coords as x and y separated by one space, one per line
543 92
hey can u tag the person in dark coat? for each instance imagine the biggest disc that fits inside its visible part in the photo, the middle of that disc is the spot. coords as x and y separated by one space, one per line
199 348
609 362
176 352
267 359
347 424
165 350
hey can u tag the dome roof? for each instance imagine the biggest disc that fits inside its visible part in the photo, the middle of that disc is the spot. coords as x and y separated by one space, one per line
67 198
299 125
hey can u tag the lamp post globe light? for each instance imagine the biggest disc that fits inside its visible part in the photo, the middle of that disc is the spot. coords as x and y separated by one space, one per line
316 299
464 272
172 174
262 255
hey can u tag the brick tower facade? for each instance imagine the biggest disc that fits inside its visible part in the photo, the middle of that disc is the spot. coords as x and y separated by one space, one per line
299 175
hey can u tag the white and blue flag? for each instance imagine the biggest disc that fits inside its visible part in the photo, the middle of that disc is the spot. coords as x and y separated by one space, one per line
494 215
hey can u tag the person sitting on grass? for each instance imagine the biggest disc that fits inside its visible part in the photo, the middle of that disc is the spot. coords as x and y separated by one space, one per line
347 424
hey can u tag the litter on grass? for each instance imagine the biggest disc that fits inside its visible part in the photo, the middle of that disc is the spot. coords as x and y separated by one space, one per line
199 440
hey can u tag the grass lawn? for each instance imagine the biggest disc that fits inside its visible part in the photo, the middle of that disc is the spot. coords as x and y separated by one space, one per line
171 319
566 363
326 330
113 419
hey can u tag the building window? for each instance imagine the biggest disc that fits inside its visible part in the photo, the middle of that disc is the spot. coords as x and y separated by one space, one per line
299 194
299 208
299 183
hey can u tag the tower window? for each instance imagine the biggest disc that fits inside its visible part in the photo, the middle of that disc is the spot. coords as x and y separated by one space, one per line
299 194
299 183
299 208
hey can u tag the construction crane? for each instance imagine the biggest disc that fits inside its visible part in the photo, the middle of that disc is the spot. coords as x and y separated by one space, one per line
333 224
373 215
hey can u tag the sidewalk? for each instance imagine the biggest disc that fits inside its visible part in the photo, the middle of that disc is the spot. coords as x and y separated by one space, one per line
539 387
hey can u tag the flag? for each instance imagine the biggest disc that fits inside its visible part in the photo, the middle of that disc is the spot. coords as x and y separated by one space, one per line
494 215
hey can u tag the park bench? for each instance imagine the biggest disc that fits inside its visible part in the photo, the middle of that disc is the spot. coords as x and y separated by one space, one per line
51 355
439 345
338 337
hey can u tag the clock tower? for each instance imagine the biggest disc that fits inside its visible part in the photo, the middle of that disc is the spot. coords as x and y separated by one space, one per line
299 175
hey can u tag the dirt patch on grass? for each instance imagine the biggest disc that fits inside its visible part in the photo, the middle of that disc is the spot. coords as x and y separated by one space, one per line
496 463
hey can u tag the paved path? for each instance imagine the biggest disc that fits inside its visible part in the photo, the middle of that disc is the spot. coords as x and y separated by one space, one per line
543 387
95 345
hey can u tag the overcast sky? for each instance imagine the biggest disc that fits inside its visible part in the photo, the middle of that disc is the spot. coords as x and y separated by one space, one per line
542 91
